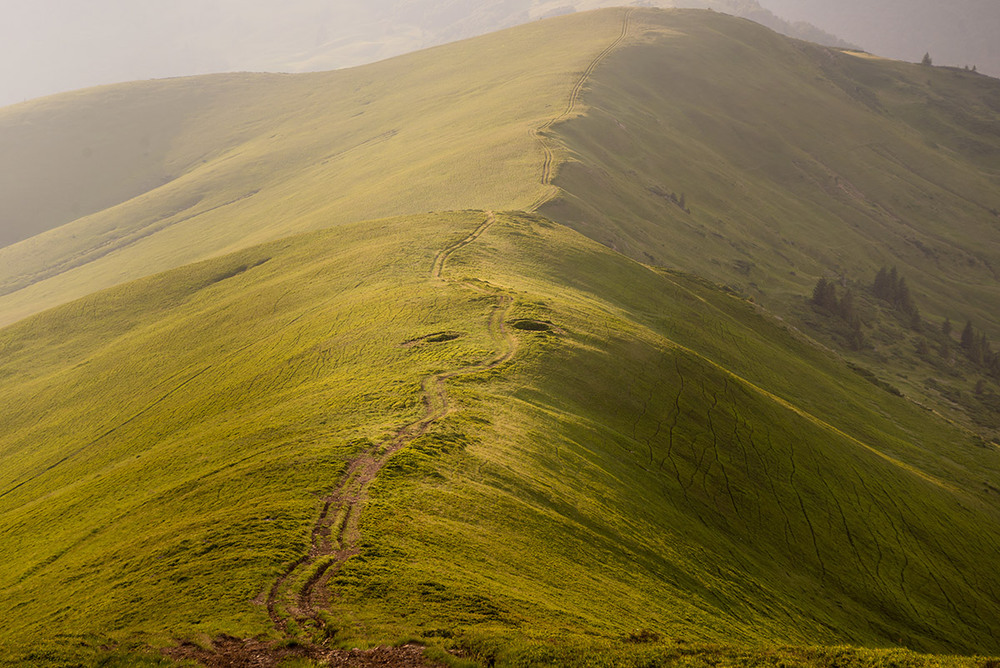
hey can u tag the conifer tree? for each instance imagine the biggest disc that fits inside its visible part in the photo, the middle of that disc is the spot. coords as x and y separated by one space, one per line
846 307
825 295
891 287
856 339
881 283
968 336
981 352
902 298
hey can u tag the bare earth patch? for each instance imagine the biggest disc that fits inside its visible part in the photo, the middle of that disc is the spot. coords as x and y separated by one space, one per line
229 652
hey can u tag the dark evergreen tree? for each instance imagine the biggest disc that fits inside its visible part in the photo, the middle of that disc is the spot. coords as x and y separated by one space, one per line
980 352
946 327
968 336
880 288
825 295
856 339
902 298
846 308
891 287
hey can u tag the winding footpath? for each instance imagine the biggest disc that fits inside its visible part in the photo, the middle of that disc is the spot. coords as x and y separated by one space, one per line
301 592
539 133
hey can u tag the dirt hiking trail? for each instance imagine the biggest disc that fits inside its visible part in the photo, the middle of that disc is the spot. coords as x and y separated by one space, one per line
540 133
300 593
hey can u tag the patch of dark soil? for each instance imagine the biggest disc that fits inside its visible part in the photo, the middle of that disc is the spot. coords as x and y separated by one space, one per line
532 325
229 652
642 636
437 337
233 271
441 338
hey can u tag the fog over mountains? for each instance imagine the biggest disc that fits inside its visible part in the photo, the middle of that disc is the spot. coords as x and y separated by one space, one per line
959 33
628 337
50 46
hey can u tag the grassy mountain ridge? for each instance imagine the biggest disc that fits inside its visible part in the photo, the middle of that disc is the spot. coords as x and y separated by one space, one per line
796 162
488 430
300 36
405 26
272 155
717 147
76 154
194 421
868 135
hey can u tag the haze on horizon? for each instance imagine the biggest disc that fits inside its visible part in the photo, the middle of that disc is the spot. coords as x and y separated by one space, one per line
957 33
50 46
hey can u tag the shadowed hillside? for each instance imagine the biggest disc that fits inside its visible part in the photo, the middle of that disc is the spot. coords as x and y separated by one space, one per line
171 444
525 422
717 147
795 162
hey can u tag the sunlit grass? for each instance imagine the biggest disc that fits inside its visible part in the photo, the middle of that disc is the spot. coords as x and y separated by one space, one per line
662 457
663 473
252 158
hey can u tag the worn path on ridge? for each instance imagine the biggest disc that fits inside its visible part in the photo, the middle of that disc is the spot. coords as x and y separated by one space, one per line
548 163
300 593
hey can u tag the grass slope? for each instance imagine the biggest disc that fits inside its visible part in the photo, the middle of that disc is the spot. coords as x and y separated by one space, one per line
796 162
171 442
251 158
490 431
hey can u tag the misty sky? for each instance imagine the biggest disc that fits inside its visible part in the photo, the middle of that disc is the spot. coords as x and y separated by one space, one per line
954 32
53 45
48 46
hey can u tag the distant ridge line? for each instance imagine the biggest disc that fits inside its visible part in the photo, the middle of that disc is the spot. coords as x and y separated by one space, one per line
574 98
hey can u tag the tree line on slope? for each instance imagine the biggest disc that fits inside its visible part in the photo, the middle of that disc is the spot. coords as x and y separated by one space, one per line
890 287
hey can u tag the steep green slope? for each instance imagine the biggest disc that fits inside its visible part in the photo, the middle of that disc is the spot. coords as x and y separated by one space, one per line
795 161
488 430
586 446
792 158
253 158
76 154
712 484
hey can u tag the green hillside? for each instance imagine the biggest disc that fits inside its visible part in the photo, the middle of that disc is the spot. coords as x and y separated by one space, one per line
252 158
567 430
796 162
601 426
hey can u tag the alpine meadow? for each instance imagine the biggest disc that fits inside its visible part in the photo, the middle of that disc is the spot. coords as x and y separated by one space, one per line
632 337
